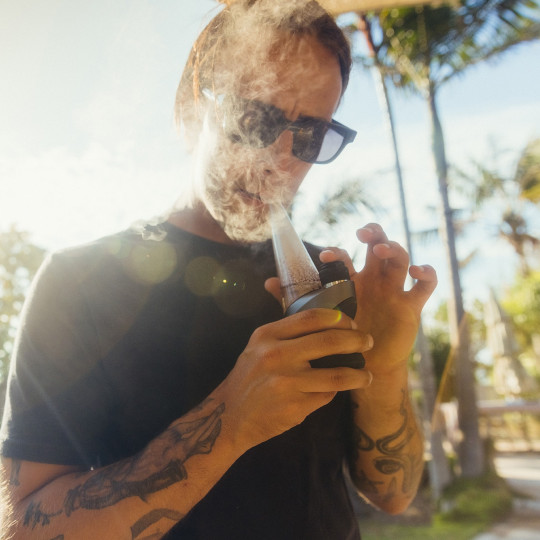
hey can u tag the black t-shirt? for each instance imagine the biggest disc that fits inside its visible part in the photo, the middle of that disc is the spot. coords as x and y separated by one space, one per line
121 337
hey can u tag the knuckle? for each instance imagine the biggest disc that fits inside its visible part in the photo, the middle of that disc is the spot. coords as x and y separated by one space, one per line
268 356
309 317
337 379
259 333
332 340
343 253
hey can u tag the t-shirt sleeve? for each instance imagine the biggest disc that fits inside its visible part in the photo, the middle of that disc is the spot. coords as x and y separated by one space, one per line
57 403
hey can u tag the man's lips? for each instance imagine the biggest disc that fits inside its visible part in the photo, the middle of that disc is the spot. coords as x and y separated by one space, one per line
250 198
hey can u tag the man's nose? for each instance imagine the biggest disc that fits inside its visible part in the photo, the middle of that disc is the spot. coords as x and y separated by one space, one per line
282 148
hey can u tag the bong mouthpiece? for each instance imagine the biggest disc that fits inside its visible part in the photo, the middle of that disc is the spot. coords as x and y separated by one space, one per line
297 273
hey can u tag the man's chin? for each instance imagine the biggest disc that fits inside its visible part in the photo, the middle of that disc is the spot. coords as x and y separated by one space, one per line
245 225
244 235
243 230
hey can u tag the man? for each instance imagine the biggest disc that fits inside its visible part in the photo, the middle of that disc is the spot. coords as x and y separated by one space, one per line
157 392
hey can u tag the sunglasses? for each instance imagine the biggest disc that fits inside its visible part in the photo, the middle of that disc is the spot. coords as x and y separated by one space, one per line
258 125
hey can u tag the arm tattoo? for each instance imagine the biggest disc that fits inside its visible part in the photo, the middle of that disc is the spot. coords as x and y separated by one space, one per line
153 517
392 458
140 476
35 516
15 471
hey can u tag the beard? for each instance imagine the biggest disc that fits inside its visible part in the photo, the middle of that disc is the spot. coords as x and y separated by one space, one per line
236 188
241 213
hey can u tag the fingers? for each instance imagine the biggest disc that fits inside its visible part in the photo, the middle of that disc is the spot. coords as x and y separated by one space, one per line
331 254
383 255
329 342
393 260
426 282
273 286
307 322
335 380
372 233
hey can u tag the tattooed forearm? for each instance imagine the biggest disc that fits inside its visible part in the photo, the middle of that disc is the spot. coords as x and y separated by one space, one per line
394 443
35 516
153 517
362 440
364 483
392 456
156 468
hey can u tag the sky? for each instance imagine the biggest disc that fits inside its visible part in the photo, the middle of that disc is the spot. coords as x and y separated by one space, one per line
88 143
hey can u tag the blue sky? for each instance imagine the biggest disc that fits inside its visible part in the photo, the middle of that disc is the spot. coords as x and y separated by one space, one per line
87 143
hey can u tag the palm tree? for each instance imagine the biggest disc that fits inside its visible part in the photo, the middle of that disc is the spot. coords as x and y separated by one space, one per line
420 49
517 194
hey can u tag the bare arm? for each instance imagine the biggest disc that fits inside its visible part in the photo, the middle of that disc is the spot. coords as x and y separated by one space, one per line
271 389
387 454
137 497
388 448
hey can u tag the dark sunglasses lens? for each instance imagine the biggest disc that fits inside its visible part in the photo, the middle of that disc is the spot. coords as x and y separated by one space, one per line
316 142
254 124
307 141
331 146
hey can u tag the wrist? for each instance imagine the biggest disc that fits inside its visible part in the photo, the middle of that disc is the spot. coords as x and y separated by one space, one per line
386 389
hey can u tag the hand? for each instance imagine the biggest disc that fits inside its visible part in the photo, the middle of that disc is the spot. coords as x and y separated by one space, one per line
385 310
272 387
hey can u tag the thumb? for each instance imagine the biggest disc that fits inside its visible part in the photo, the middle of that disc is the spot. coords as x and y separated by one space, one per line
273 286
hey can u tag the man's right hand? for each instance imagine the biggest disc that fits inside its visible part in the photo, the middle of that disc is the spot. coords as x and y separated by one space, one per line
273 387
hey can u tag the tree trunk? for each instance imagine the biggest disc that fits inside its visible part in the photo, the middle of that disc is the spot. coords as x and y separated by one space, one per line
471 456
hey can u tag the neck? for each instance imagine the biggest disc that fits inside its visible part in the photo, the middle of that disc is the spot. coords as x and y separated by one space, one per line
197 220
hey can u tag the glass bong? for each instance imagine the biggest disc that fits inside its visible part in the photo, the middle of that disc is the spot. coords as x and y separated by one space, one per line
304 287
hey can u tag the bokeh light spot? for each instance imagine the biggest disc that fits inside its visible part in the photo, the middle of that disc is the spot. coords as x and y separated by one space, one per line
201 275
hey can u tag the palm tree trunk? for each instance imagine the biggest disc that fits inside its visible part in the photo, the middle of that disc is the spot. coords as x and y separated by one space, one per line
439 472
471 456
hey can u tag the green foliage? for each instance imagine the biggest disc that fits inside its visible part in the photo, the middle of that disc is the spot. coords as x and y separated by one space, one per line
439 344
470 506
423 47
347 199
522 303
528 172
480 500
437 531
19 261
513 195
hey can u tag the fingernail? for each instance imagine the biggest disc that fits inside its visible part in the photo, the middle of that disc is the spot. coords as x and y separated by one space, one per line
370 377
370 342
